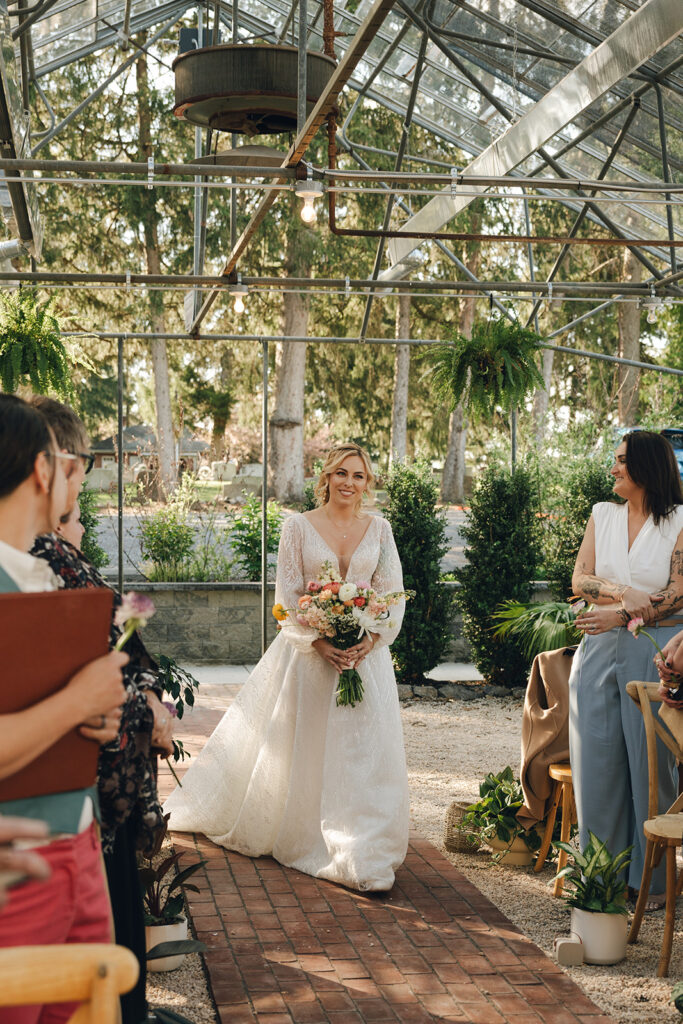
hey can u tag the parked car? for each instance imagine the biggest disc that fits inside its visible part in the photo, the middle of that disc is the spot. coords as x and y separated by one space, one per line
674 436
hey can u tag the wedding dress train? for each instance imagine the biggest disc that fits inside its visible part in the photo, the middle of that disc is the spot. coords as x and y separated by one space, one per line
286 772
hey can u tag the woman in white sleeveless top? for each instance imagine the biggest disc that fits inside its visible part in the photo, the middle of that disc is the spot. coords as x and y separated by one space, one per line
630 564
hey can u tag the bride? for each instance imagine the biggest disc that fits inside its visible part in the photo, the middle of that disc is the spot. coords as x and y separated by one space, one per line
287 773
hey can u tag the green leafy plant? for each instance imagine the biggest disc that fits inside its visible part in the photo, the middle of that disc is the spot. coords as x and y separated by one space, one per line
245 536
419 530
161 888
677 996
594 875
544 626
494 368
495 814
167 540
31 347
90 546
503 556
181 686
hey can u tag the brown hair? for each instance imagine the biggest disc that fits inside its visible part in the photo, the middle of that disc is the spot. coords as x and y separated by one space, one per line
67 426
651 463
334 459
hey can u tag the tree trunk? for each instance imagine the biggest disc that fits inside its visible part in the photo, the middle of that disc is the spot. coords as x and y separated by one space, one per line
220 419
453 479
399 414
542 397
168 469
287 421
629 345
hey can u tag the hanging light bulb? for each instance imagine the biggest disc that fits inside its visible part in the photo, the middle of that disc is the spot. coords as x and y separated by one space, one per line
309 191
239 291
652 315
652 306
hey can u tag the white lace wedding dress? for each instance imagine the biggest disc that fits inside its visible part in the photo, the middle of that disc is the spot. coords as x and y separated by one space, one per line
288 773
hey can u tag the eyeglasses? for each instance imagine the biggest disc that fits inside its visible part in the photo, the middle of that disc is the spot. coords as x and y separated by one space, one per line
72 457
88 459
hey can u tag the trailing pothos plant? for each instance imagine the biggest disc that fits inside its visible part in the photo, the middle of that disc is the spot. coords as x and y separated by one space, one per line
594 875
31 346
494 368
495 814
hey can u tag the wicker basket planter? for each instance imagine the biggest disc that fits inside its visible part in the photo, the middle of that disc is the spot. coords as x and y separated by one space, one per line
458 838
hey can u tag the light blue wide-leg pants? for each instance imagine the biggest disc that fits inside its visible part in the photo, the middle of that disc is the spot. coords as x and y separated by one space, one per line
607 746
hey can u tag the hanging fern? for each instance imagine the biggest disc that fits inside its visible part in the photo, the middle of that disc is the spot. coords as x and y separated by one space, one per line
31 347
496 367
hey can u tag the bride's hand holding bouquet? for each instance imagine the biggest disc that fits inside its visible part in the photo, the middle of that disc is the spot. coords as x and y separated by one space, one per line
348 618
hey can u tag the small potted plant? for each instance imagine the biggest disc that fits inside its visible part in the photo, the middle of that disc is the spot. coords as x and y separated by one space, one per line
165 923
494 816
597 899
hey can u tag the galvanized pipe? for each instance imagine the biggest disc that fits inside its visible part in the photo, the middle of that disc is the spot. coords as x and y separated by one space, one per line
119 442
320 283
666 173
264 496
302 68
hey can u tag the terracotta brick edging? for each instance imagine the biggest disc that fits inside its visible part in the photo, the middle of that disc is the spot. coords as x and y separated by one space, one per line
286 948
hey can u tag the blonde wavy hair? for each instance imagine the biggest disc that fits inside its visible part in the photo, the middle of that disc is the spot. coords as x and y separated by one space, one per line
334 459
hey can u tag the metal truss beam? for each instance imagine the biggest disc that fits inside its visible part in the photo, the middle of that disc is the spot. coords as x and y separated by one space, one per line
325 104
644 34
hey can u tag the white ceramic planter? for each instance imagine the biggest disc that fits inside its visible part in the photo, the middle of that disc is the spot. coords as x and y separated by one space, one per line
517 853
158 933
603 935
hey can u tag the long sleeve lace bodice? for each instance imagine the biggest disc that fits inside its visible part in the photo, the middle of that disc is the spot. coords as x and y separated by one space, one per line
287 772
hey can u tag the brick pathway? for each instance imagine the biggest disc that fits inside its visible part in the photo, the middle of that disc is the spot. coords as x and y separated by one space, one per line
285 948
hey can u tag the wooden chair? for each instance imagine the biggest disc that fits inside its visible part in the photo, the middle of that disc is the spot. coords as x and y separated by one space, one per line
93 974
563 790
664 832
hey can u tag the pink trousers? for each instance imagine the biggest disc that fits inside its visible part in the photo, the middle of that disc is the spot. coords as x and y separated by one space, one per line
72 905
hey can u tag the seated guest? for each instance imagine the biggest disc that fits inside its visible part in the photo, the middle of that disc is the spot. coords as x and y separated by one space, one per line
131 814
670 669
72 905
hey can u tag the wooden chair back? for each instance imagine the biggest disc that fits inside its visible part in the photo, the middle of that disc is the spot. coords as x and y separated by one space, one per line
94 974
645 695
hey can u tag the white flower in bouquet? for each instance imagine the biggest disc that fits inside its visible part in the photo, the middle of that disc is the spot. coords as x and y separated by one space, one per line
347 591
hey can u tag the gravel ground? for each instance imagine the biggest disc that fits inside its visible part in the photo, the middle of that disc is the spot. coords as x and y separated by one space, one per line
450 746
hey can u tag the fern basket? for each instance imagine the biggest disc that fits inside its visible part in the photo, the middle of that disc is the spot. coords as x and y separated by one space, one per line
495 368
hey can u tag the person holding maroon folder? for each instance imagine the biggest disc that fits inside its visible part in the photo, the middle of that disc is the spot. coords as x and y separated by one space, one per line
131 815
72 904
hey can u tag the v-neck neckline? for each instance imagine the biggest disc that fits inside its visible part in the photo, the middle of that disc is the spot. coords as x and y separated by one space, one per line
629 549
332 551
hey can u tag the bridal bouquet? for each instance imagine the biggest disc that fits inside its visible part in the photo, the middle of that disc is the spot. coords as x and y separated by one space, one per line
342 612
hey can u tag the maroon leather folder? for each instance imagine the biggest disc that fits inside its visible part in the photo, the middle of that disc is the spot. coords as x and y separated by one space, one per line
44 640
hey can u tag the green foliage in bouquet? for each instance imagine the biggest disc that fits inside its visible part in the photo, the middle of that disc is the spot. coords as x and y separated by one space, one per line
503 556
594 874
31 347
494 368
420 534
537 627
90 546
495 814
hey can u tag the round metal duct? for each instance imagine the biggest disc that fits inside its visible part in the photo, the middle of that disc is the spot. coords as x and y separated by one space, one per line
248 89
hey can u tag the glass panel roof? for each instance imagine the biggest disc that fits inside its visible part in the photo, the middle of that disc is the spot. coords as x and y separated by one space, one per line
488 63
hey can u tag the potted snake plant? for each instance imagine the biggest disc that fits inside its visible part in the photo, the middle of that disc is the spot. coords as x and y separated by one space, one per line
598 899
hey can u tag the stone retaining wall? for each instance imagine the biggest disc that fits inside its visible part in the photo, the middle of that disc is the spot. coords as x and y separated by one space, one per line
221 623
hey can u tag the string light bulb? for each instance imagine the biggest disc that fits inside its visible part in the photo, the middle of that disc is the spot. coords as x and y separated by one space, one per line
652 306
239 291
309 191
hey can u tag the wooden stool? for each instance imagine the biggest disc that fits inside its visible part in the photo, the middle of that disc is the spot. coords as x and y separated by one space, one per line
563 790
663 833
